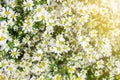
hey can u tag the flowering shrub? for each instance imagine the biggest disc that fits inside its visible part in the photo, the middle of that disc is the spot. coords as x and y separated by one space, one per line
59 40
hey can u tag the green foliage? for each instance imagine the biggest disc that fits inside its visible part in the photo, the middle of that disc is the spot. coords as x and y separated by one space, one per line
2 18
1 54
10 44
12 32
42 2
39 25
58 30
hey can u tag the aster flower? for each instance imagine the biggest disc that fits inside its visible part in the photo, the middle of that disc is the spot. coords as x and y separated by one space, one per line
28 5
59 40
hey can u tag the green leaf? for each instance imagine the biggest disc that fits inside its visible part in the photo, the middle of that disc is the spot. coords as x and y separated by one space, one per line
42 2
10 44
39 25
2 18
1 53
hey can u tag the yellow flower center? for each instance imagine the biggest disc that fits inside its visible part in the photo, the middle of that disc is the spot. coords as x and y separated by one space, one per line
2 38
99 63
43 17
28 4
46 42
79 78
84 56
58 48
67 26
13 16
61 42
28 23
82 19
83 39
43 63
80 10
93 57
10 68
53 17
3 30
39 10
60 22
58 78
109 64
41 78
14 53
87 46
27 18
38 55
51 24
2 64
7 13
71 70
47 35
73 79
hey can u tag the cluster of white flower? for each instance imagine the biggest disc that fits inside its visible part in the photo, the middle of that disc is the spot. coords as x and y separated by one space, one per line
59 40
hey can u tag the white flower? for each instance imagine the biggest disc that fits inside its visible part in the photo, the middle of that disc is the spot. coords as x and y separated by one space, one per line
9 13
36 70
12 15
41 14
41 78
16 42
37 17
82 10
3 27
6 12
98 72
83 40
71 70
60 38
6 48
15 53
11 69
92 57
44 66
39 9
57 77
48 2
3 38
3 63
11 22
27 26
58 49
37 55
79 42
84 19
93 33
100 64
103 11
66 48
94 9
11 3
28 4
46 35
26 39
26 56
